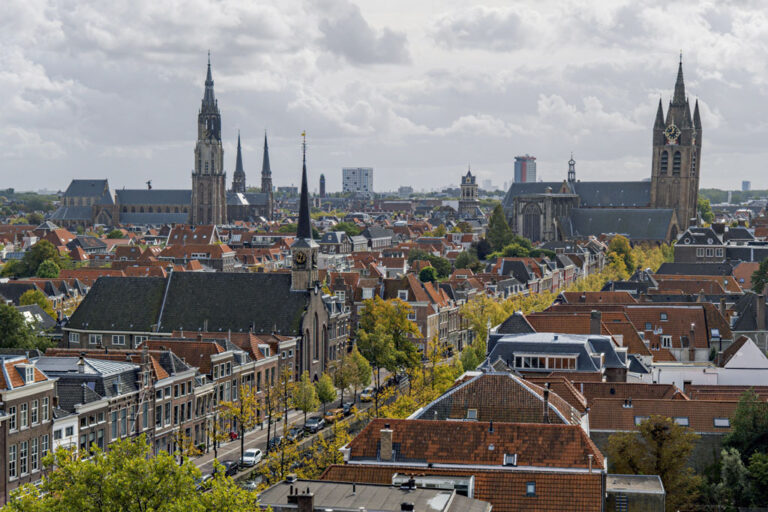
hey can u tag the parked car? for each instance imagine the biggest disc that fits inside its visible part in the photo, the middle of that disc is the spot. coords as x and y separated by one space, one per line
349 408
229 468
333 415
367 394
314 424
203 483
295 433
251 457
274 443
252 484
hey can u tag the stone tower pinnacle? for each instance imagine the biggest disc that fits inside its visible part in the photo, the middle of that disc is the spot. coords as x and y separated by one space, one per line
238 178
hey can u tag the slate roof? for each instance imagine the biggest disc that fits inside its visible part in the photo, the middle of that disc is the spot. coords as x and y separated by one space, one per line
696 269
256 198
71 213
499 397
88 188
154 219
155 196
599 194
515 323
195 301
13 291
636 224
378 497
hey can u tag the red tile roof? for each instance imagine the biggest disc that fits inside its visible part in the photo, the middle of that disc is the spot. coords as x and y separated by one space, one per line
479 442
610 414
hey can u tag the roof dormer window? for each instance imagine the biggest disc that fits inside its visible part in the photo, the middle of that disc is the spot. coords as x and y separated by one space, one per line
29 374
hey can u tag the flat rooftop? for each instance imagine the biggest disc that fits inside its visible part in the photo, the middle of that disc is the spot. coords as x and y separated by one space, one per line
645 484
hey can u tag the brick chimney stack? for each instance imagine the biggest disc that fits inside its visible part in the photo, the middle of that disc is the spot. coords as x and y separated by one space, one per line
385 444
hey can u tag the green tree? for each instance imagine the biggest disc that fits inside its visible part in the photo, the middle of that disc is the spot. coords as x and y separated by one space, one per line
349 228
343 372
428 274
705 210
361 376
326 393
15 332
115 234
304 395
619 244
48 269
392 317
499 233
35 296
127 478
13 268
749 426
760 277
732 490
758 475
468 259
35 218
37 254
241 413
660 447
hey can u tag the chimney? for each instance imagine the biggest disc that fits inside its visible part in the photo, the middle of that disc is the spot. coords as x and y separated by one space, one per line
595 319
722 307
305 502
760 311
406 507
385 444
545 418
81 364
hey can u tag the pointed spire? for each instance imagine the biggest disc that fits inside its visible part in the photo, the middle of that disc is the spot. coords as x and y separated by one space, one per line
304 229
679 97
696 116
265 169
209 98
239 161
659 124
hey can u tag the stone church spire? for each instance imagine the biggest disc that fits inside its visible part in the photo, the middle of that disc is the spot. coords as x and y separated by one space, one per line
659 124
209 99
304 249
696 117
679 97
238 178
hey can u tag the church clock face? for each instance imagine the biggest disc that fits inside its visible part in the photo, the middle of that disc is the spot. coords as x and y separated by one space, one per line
672 133
300 258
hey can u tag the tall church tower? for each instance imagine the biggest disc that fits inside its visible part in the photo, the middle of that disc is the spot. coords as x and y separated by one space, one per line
677 155
304 249
238 178
266 179
209 182
469 202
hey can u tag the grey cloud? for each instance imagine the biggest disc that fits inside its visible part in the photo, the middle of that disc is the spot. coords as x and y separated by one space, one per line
481 28
350 36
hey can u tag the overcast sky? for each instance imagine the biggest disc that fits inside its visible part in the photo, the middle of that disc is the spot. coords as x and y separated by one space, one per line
415 89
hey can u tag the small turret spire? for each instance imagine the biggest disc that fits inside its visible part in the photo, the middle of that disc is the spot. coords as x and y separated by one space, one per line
571 169
239 161
696 116
659 124
304 228
265 168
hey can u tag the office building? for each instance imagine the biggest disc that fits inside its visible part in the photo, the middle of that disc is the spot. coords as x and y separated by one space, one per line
525 169
357 180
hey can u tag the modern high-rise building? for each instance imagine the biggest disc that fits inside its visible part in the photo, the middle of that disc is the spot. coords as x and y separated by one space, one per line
525 169
746 186
487 185
357 180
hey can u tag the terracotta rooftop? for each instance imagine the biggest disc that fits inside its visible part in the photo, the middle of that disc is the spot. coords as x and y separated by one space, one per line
611 414
479 443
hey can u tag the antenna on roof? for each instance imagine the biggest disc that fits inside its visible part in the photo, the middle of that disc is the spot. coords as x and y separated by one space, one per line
149 184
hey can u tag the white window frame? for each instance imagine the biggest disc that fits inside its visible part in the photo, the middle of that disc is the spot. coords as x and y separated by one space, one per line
665 340
94 339
699 252
118 339
12 468
74 337
722 422
402 295
683 421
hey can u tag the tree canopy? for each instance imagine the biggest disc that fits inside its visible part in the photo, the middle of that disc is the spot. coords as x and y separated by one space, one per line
760 277
499 233
48 269
428 274
35 296
15 332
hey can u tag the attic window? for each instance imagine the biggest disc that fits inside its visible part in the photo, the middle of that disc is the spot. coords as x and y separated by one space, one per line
471 414
29 374
722 422
648 326
510 459
402 295
663 317
530 489
666 341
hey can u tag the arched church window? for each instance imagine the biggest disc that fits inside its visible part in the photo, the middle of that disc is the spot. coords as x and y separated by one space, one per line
532 222
664 162
150 209
141 209
676 163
